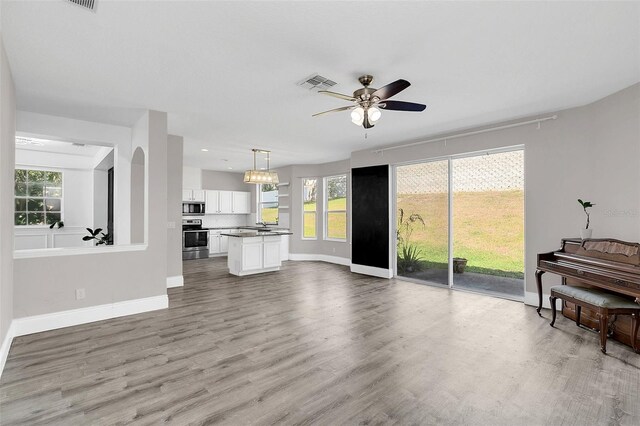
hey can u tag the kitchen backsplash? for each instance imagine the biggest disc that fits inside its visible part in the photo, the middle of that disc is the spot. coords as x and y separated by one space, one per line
218 220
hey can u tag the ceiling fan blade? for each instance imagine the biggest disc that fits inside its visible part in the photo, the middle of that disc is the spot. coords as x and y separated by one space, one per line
401 106
391 89
337 95
334 110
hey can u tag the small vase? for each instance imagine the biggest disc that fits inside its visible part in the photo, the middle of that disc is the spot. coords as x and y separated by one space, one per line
585 233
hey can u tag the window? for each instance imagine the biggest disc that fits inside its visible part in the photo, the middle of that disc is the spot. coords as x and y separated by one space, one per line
309 187
268 203
335 208
38 197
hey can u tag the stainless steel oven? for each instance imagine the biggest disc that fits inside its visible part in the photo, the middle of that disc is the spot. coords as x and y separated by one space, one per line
195 240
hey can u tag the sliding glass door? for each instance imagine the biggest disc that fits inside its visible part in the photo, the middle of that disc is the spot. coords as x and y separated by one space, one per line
422 221
460 222
488 223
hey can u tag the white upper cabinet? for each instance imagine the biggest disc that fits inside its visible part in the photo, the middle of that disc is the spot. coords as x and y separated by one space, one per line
227 202
193 195
211 202
198 195
241 202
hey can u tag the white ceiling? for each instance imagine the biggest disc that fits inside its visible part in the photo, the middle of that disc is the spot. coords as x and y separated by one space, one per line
57 147
226 72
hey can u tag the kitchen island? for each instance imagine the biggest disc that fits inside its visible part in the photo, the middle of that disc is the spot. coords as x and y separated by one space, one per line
254 252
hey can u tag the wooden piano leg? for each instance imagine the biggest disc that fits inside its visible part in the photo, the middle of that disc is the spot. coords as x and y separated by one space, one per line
552 300
539 285
604 324
635 324
578 311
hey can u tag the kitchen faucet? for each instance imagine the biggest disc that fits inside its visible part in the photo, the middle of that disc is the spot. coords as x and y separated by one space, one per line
264 224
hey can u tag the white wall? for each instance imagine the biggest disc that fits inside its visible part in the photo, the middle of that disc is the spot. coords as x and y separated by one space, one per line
100 199
223 181
47 284
77 182
174 206
294 175
7 150
591 152
192 178
138 194
71 130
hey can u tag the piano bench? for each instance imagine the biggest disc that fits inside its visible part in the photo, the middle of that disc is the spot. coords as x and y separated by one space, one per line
603 303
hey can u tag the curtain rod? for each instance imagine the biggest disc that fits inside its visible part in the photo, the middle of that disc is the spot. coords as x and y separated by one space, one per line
475 132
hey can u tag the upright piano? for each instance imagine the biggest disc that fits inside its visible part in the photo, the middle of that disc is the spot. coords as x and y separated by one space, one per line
608 264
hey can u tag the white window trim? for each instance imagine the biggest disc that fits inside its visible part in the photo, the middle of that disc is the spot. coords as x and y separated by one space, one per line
43 169
325 208
259 206
302 237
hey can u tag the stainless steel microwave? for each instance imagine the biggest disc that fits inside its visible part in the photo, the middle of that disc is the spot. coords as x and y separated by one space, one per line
192 209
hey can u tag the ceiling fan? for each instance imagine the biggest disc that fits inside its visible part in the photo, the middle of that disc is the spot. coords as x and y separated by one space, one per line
369 101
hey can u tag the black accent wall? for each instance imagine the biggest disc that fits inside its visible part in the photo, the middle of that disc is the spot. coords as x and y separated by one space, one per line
370 216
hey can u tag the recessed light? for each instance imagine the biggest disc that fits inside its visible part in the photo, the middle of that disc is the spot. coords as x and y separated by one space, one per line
204 150
230 168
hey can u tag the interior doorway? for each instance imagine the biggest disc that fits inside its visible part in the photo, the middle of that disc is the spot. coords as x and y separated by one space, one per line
460 222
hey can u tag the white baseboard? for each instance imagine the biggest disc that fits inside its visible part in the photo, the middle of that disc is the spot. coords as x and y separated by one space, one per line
6 345
370 270
321 258
175 281
55 320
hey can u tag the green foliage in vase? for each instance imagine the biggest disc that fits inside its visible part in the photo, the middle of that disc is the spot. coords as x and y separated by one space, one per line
585 205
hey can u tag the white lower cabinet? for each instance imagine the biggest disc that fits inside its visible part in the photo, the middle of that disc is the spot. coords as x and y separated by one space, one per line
253 255
218 244
214 244
271 252
224 244
284 247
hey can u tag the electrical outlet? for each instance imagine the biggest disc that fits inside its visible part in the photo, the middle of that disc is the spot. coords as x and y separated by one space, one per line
80 294
334 249
171 225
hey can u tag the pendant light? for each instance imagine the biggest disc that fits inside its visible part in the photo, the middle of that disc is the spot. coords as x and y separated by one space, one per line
256 176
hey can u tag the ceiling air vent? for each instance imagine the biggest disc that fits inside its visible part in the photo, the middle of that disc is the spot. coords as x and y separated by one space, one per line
317 82
86 4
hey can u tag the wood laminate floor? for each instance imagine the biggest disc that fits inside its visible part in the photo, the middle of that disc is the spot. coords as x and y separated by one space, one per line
315 344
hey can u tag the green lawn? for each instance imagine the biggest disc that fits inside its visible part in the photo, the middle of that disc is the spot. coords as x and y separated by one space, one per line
337 226
488 229
269 215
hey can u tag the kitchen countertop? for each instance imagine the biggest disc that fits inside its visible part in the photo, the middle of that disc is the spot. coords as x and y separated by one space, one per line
253 233
248 228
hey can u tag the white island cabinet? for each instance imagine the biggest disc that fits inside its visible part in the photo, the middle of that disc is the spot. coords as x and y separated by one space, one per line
250 253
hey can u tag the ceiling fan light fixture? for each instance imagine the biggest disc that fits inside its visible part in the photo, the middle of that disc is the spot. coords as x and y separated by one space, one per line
357 116
255 176
374 114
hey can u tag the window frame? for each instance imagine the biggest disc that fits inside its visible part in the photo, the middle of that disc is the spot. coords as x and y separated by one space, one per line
315 237
28 168
326 211
260 204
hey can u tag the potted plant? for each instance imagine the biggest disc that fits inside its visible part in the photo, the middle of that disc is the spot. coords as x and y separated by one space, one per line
59 224
586 232
459 263
409 254
103 239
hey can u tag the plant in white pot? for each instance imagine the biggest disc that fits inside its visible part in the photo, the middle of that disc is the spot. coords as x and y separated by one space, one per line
585 232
